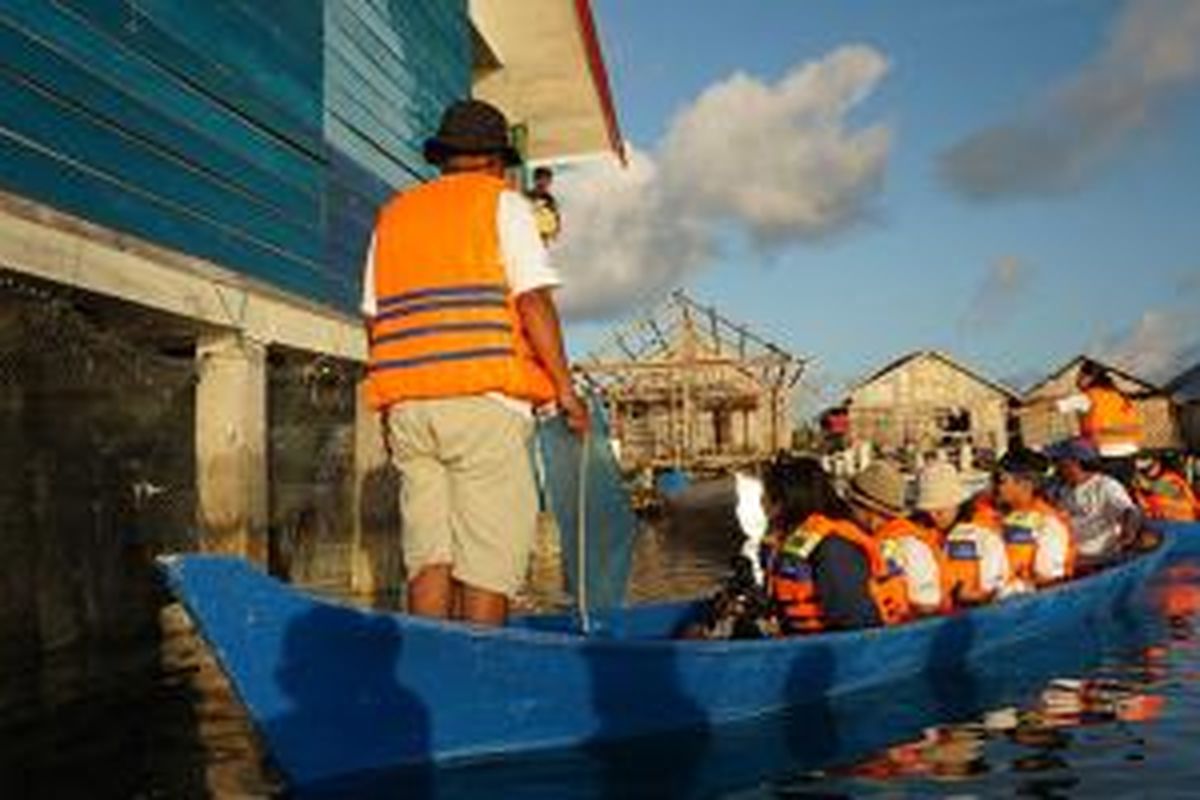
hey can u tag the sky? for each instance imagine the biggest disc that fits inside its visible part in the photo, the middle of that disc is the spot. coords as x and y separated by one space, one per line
1011 181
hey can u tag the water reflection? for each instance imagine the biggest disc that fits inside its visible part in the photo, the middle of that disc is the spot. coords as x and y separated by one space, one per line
1086 726
1112 710
1103 711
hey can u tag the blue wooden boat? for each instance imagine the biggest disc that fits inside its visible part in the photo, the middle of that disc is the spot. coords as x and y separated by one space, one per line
337 691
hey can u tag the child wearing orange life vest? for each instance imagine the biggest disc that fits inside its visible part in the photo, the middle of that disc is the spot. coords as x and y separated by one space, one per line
1037 536
823 572
974 561
1163 493
877 497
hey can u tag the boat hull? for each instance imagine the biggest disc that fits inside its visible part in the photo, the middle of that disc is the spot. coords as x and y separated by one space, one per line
337 690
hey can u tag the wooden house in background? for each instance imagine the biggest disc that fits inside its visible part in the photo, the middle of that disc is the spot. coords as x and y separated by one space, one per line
686 387
1041 423
927 401
1184 391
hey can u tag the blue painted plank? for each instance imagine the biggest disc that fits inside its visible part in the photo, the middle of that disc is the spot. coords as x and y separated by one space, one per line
365 114
434 59
222 53
260 134
70 131
45 67
72 38
94 195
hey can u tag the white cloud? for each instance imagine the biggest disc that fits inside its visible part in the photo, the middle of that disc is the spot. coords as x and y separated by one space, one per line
1162 344
999 294
1078 127
1164 341
776 162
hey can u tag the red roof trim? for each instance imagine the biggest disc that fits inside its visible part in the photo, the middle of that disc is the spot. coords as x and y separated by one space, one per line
595 57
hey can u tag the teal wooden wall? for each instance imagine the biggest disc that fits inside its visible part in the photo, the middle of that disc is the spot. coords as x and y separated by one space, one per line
259 134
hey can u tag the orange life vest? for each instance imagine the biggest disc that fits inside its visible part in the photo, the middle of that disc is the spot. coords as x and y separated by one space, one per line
1112 418
1167 497
961 550
791 582
985 513
900 527
447 324
1020 539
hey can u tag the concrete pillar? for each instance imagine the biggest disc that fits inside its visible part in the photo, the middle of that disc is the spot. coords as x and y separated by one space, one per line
231 445
376 563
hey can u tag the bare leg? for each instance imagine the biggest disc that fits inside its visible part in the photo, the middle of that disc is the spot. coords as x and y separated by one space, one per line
431 592
483 607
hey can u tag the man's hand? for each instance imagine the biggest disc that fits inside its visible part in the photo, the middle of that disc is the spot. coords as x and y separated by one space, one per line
540 320
576 413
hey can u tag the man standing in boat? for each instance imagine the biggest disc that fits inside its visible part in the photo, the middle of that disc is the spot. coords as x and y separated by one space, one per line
465 342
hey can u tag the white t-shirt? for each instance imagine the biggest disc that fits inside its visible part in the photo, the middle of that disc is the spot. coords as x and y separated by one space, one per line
920 567
1097 507
1080 403
1053 545
526 264
994 572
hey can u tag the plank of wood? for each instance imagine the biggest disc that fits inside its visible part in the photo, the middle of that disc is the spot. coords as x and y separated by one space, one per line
52 72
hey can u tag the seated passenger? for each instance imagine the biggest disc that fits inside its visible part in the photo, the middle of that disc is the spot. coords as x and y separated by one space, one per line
877 497
1037 536
1162 493
1105 519
825 574
974 561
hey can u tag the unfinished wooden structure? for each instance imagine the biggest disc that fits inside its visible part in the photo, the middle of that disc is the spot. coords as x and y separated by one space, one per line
1041 423
926 401
685 387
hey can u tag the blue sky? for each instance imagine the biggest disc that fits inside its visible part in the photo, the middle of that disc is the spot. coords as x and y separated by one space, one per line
1109 264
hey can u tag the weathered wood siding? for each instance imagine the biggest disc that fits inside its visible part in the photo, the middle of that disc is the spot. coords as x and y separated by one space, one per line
1189 425
907 406
258 134
391 66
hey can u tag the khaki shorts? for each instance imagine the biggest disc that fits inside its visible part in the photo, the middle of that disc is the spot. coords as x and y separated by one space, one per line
467 494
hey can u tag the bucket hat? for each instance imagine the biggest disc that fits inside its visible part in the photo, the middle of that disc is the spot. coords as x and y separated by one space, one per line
471 127
939 486
881 486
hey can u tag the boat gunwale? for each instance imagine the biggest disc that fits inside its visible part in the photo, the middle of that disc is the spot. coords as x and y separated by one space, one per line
705 647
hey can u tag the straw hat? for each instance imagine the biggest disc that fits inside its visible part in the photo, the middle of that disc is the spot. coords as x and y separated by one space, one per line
938 486
881 487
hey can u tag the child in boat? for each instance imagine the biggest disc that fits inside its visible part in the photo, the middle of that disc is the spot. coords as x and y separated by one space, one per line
975 564
1037 536
877 497
823 571
1163 493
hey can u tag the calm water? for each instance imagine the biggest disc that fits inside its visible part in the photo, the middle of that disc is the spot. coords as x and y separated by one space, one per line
1112 713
